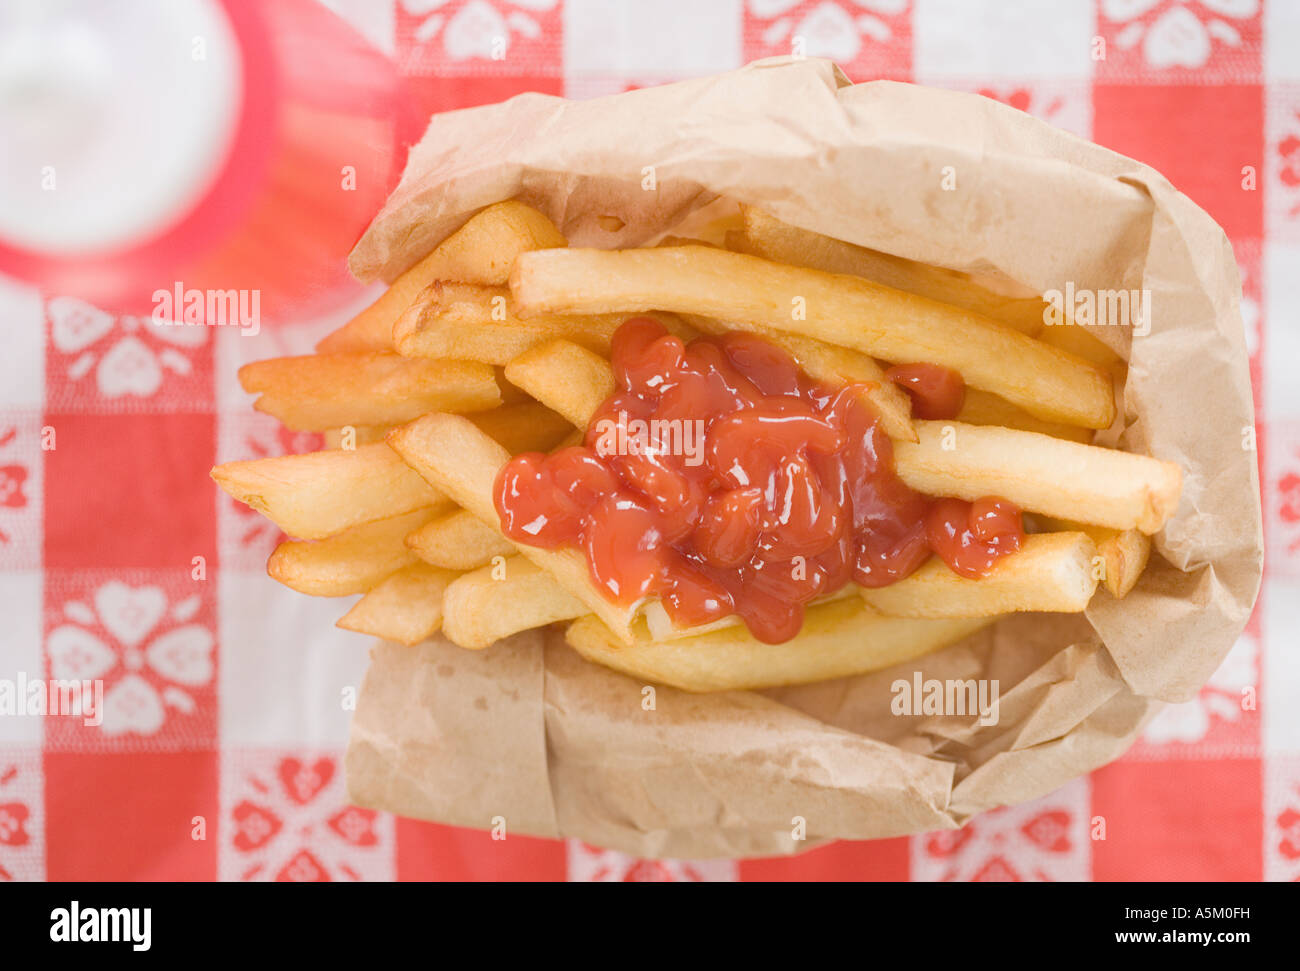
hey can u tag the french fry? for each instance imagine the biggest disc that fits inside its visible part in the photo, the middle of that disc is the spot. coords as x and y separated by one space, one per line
851 311
458 541
1124 552
574 381
482 251
659 626
841 365
674 324
510 395
318 494
406 607
524 427
575 437
321 391
482 607
766 236
985 408
683 241
358 435
565 377
460 461
838 365
350 562
1040 474
1080 342
1051 572
472 323
838 639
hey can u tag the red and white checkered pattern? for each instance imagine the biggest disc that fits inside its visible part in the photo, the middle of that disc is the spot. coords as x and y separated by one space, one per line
227 697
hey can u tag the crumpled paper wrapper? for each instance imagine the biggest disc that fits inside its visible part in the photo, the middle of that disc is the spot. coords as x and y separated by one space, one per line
529 734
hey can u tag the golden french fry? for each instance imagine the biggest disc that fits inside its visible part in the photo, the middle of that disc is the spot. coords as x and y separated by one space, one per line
575 437
1124 552
406 607
561 375
510 395
674 324
1081 343
353 561
491 603
838 639
524 427
1051 572
738 242
985 408
351 436
472 323
659 626
1040 474
837 365
482 251
318 494
846 310
321 391
683 241
459 460
458 541
768 237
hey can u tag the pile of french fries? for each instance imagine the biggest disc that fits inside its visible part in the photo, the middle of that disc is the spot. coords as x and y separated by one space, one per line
496 343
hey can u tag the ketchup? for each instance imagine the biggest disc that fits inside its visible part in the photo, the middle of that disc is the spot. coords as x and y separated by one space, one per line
972 536
723 479
936 391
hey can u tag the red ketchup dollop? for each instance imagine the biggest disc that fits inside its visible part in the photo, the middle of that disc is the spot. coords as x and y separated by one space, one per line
936 391
722 479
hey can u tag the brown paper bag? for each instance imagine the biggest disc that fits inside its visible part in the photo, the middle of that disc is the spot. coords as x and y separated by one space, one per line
530 736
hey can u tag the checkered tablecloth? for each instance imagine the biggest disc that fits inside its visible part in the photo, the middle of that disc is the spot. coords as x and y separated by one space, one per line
228 695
